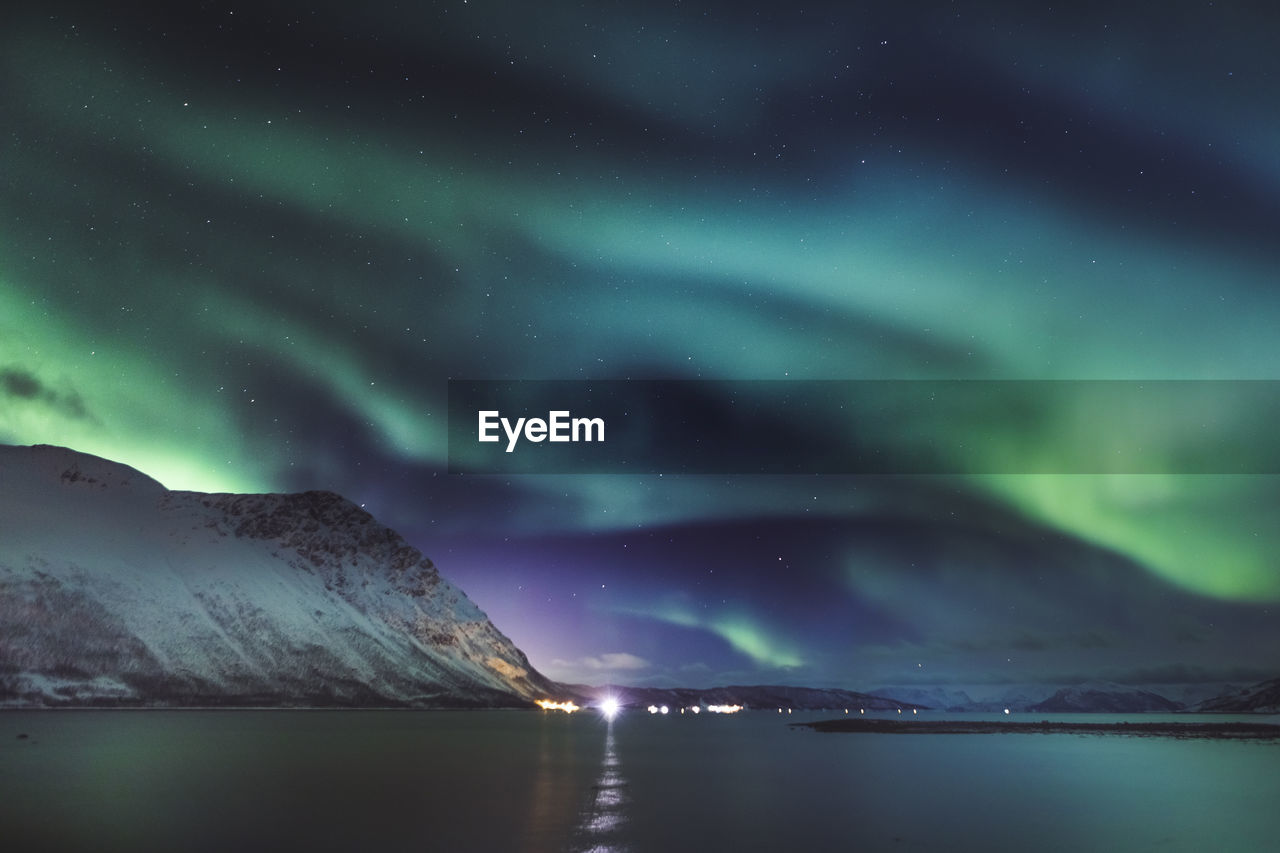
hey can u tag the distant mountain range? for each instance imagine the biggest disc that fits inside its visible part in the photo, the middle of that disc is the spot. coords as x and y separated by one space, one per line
1261 698
1087 698
1105 698
935 698
116 591
1095 698
755 697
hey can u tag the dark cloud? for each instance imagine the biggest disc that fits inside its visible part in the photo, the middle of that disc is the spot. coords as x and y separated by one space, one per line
19 384
1180 673
1094 640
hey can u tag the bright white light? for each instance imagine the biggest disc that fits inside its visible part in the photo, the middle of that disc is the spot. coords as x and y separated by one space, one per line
653 709
723 709
1006 710
695 709
609 707
664 709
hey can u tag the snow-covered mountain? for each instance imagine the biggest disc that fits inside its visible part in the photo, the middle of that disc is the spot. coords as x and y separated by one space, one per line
114 590
1261 698
1016 698
1105 697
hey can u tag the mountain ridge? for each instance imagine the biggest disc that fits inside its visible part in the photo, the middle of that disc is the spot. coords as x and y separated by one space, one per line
1261 698
1106 697
759 696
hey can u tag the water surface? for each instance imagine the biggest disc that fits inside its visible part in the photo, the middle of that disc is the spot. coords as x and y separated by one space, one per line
532 781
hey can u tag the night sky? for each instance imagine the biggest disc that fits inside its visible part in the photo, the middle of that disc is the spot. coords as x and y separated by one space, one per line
243 247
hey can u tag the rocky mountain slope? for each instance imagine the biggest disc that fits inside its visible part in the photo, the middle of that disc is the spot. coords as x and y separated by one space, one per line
1261 698
116 591
1105 698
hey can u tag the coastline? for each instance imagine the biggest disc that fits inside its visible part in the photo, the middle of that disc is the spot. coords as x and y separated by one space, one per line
1181 731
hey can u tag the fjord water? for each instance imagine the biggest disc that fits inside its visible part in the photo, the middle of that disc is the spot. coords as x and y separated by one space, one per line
532 781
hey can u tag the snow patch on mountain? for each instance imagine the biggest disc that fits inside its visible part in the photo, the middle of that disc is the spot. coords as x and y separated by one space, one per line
1106 697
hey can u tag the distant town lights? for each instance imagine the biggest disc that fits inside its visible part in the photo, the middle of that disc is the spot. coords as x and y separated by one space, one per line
551 705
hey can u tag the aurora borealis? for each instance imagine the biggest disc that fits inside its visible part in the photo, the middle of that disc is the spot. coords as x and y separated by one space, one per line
245 247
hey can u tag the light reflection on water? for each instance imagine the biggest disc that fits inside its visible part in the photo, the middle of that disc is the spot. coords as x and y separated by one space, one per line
604 820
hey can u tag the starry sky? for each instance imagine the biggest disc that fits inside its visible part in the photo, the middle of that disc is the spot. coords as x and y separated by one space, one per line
245 246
